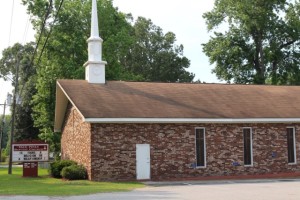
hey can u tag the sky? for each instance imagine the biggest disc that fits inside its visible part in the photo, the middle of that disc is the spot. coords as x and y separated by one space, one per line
184 18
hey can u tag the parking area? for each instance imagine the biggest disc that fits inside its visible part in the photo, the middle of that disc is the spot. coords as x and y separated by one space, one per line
279 189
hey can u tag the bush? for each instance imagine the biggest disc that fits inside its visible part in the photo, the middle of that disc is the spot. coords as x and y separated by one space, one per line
74 172
57 166
3 158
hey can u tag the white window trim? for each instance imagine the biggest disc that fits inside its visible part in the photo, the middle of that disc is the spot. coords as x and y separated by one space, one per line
204 135
251 146
294 139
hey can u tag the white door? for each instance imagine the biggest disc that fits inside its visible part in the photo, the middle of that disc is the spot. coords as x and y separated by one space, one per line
142 161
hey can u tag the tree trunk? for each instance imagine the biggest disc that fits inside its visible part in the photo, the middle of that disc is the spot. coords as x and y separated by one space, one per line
274 73
259 77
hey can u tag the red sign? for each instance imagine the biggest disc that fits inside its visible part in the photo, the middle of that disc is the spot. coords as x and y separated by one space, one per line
39 147
30 169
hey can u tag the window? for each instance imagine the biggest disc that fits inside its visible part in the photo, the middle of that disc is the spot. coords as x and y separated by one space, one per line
291 145
248 159
200 147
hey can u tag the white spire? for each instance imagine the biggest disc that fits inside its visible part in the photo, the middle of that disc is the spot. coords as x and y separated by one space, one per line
94 22
95 67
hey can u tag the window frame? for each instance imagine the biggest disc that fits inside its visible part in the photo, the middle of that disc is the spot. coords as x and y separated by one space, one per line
294 145
251 147
204 144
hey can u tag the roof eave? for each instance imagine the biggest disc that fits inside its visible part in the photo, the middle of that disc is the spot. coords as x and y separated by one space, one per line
192 120
61 104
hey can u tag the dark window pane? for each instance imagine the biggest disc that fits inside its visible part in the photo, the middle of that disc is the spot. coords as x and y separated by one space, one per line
290 145
200 147
247 146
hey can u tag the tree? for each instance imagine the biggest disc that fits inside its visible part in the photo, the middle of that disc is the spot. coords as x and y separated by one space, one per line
260 43
20 56
155 56
66 51
5 129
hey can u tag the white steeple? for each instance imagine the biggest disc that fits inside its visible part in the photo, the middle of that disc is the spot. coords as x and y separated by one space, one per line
95 67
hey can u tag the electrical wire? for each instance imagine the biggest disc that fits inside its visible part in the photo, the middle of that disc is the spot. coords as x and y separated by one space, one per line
24 128
48 35
60 5
41 31
11 19
39 39
24 39
26 30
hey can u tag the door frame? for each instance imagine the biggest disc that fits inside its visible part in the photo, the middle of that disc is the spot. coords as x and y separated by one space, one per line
146 162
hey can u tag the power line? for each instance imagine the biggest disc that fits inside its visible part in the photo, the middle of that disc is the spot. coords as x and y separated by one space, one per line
60 5
24 39
48 35
41 32
26 30
32 58
11 19
24 128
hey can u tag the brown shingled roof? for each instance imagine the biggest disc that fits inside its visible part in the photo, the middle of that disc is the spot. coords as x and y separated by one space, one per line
118 99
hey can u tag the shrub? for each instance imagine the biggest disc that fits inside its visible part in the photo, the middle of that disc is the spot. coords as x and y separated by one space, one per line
57 166
74 172
3 158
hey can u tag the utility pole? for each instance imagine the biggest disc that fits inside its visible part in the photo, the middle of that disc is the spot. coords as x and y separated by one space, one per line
2 129
13 117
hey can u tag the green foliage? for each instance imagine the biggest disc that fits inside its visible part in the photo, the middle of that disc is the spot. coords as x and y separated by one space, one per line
155 56
56 167
139 52
74 172
6 131
66 52
67 169
7 147
260 43
24 125
52 138
3 156
19 56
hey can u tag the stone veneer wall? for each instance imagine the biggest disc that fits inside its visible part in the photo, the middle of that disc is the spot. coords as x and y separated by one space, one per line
76 139
173 150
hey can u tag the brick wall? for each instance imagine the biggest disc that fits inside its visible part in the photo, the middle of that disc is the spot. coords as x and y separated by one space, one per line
109 150
76 139
173 150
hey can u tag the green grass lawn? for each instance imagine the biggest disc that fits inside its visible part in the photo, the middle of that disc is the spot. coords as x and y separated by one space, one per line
43 185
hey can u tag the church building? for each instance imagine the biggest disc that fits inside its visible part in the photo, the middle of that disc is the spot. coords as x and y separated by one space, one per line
174 131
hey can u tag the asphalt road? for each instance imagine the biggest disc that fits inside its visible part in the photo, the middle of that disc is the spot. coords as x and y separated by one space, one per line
225 190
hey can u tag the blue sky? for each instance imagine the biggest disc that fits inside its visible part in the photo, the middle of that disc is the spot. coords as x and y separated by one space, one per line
184 18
